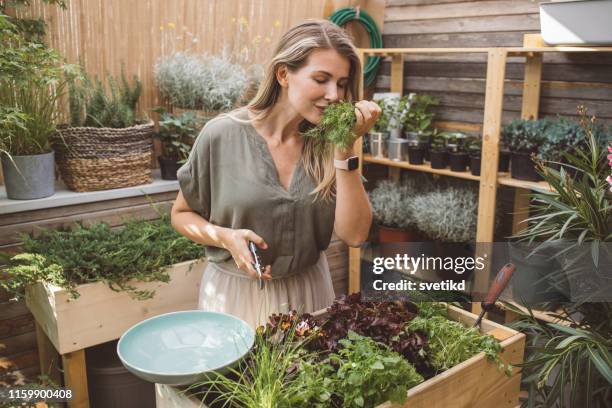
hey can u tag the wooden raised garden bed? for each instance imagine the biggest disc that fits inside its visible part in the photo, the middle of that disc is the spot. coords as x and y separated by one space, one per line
476 382
100 314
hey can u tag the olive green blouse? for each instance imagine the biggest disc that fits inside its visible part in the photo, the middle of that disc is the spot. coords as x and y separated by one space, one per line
231 180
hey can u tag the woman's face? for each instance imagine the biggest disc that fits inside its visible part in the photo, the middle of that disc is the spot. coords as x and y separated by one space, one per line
321 81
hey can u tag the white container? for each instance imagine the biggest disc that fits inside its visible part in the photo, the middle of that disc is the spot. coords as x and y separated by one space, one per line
577 22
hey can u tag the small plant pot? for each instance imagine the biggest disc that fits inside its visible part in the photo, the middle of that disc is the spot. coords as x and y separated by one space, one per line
503 165
33 178
378 143
439 160
398 149
168 167
458 161
523 168
416 154
475 165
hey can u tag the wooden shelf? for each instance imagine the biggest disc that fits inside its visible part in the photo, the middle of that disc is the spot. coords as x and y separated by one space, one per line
504 179
367 158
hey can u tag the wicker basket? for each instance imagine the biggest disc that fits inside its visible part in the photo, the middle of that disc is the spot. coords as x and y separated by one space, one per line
91 159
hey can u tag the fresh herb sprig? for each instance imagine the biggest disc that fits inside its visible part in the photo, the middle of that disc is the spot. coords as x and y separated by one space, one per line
336 126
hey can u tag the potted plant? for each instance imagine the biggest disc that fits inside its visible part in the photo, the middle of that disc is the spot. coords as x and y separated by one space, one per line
418 120
33 80
392 213
397 107
206 83
457 152
438 154
474 149
379 136
106 145
177 134
417 149
524 139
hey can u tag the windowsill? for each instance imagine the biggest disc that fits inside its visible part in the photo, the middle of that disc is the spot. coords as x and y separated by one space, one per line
63 196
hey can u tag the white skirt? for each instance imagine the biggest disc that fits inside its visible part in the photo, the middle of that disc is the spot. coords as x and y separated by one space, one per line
239 295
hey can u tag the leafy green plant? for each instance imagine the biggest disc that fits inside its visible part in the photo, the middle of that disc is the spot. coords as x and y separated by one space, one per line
204 82
419 117
67 258
438 142
382 124
336 126
32 30
32 82
456 141
177 133
91 105
369 373
451 343
473 145
525 136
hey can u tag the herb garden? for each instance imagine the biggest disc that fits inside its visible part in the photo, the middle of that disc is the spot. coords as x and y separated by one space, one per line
493 142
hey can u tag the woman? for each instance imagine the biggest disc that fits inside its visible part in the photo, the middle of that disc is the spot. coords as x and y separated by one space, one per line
252 176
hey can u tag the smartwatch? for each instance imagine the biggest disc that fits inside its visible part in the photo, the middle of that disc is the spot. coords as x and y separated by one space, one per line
350 164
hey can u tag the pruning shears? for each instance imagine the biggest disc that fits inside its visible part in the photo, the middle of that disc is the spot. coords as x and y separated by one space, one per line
257 264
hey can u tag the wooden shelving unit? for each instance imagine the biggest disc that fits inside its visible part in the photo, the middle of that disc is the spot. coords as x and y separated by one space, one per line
489 180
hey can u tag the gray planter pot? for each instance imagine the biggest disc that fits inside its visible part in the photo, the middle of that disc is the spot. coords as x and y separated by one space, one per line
398 149
378 143
33 178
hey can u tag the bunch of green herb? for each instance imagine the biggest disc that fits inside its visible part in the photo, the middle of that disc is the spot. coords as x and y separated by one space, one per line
66 258
336 127
451 343
91 105
177 134
369 373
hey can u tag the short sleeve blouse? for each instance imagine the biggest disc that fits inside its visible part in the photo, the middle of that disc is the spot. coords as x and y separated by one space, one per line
231 180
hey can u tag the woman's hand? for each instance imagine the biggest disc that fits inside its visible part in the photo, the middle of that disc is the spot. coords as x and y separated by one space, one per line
236 241
367 113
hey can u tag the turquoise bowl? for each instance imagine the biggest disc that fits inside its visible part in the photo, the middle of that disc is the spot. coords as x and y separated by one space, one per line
179 348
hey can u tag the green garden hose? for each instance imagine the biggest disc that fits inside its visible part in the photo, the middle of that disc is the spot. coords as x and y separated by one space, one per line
343 16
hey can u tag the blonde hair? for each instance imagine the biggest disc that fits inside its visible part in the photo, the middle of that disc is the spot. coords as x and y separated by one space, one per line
293 51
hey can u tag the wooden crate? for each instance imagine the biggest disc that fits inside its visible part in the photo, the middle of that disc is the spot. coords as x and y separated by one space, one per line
101 314
474 383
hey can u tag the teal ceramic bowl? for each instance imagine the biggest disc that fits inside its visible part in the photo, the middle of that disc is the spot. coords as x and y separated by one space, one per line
179 348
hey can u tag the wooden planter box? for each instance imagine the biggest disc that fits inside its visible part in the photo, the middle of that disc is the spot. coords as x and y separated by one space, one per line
474 383
101 314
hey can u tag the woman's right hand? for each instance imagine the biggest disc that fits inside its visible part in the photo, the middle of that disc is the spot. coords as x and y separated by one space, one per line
236 241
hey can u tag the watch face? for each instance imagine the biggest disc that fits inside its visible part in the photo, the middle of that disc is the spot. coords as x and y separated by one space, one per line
353 163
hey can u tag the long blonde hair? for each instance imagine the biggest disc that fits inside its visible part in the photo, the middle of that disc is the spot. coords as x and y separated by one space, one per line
292 51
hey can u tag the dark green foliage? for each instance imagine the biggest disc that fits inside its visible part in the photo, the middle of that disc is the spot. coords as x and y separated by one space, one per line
438 142
382 124
419 117
141 250
91 105
177 133
336 127
525 136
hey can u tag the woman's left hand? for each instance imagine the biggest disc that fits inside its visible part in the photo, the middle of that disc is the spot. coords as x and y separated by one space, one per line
367 113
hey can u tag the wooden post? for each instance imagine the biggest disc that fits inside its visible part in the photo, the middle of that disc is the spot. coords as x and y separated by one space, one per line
354 264
75 378
48 356
487 196
397 85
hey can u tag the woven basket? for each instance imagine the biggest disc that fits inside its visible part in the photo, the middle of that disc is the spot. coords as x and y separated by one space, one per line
91 159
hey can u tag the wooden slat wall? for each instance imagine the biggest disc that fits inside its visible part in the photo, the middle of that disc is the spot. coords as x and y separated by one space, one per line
458 80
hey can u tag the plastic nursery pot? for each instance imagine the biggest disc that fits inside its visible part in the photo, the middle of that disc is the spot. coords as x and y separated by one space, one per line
523 168
475 164
416 153
168 167
458 161
439 160
503 165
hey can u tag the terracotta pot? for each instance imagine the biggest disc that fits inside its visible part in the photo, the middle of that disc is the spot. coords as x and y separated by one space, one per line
387 234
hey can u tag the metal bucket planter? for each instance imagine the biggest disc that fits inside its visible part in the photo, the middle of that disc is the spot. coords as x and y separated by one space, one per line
398 149
29 177
378 143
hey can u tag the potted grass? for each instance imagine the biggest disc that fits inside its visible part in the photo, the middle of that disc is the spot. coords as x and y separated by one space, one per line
105 145
379 135
33 80
177 134
87 285
438 153
392 213
524 138
203 83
